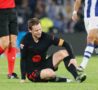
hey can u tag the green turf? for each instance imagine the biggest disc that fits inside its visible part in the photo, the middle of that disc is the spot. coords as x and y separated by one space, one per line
90 84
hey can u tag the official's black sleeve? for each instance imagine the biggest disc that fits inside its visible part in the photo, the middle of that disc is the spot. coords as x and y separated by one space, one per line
23 60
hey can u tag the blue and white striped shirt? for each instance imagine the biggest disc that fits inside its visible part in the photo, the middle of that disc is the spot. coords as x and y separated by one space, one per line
91 8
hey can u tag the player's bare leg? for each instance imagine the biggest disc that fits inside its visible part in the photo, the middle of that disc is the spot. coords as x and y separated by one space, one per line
91 38
11 56
4 43
49 74
69 63
96 44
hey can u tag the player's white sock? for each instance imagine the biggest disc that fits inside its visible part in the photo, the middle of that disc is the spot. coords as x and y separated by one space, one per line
96 49
87 54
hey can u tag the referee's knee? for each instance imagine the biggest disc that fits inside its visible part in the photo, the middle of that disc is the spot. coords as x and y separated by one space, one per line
5 44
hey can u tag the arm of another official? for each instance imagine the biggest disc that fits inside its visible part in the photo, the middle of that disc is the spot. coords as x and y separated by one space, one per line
77 5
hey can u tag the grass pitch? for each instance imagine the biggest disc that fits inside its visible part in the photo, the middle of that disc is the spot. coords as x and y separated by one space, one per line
91 82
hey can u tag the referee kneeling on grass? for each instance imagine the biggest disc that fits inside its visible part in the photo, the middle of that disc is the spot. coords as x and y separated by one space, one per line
34 63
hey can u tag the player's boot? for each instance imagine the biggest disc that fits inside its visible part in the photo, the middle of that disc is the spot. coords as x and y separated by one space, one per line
12 76
81 78
80 69
9 76
69 80
15 75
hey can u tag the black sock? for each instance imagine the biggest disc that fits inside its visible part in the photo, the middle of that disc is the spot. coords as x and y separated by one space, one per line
71 68
58 79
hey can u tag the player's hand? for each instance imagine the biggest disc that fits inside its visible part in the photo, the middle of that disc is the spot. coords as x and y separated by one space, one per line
73 61
75 16
22 81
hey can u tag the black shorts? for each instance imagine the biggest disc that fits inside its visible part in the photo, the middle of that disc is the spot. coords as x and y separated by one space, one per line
8 22
35 75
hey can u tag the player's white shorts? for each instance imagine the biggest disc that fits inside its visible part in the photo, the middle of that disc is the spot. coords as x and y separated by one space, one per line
91 23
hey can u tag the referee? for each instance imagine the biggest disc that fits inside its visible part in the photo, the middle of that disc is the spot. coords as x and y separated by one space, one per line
8 33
